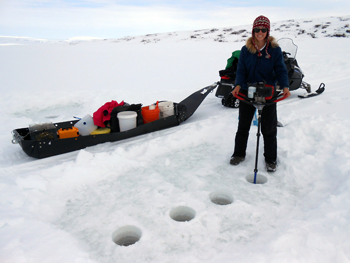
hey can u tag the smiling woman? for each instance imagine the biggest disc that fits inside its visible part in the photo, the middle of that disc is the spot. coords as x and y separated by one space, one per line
260 61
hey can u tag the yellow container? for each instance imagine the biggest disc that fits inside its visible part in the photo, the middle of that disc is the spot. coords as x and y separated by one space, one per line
101 131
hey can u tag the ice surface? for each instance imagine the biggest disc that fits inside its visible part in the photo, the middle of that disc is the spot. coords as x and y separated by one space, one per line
68 208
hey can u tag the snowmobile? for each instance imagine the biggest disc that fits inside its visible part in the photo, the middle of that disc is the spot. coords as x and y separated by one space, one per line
45 142
295 75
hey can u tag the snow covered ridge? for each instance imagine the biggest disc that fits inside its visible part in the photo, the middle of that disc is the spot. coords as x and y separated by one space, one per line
314 28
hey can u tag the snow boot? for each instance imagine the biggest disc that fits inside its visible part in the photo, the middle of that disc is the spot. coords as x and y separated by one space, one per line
271 167
235 160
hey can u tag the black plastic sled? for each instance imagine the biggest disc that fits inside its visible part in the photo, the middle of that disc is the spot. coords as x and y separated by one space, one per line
47 147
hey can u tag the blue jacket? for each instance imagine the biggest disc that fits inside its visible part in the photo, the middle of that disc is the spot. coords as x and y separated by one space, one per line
252 69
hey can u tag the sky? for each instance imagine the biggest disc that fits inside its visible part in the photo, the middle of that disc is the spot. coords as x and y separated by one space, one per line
64 19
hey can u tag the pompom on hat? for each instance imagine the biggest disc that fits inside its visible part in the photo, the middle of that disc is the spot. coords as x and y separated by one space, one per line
262 21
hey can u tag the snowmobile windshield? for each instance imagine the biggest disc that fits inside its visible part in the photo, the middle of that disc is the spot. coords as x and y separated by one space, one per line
287 45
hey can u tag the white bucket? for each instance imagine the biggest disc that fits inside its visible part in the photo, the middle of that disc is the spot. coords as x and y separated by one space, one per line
86 125
127 120
166 109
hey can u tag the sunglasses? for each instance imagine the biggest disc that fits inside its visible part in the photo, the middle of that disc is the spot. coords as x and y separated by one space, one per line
257 30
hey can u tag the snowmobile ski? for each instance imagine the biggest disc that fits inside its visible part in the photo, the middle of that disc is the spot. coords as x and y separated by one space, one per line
319 91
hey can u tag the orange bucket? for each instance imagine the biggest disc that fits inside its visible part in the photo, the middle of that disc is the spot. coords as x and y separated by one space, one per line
150 115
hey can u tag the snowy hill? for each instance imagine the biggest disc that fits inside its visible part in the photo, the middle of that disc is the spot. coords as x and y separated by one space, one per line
73 207
315 28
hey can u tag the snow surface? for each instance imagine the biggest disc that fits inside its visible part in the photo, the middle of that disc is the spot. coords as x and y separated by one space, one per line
67 208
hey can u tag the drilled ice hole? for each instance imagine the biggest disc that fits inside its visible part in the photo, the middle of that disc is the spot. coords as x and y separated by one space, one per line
126 236
260 179
221 197
182 213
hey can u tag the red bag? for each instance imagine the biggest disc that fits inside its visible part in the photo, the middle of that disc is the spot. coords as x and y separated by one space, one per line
103 115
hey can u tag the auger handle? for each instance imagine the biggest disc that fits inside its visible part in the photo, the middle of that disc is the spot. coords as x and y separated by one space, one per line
244 98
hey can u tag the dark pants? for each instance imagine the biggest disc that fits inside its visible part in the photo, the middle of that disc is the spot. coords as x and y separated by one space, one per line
268 129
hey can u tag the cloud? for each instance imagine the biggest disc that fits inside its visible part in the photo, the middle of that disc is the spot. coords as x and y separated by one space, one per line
111 19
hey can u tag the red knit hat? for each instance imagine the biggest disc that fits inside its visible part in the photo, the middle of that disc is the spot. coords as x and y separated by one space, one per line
264 22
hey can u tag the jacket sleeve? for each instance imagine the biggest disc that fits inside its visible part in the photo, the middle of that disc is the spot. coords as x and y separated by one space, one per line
241 72
281 69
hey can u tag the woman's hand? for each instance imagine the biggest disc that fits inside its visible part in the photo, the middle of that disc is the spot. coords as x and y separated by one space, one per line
286 92
236 90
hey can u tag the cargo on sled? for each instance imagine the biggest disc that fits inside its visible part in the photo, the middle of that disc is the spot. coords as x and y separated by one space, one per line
49 139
